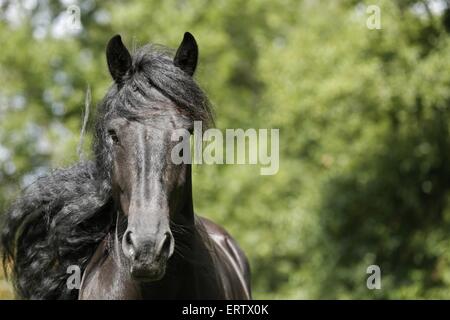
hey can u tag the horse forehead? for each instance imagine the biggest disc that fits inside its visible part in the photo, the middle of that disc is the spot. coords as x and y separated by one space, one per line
152 132
161 124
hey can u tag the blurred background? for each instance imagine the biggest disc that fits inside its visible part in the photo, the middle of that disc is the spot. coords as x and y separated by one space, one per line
363 116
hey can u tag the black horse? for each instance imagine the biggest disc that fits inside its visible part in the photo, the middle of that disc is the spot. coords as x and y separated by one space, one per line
127 218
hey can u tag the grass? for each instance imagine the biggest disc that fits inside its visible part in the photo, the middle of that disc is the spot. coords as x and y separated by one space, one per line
5 289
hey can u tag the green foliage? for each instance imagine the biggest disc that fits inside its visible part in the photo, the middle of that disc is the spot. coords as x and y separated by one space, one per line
363 117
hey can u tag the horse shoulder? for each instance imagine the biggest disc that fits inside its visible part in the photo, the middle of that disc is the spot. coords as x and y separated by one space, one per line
235 258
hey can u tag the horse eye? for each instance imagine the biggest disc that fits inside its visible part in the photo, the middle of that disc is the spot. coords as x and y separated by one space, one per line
113 136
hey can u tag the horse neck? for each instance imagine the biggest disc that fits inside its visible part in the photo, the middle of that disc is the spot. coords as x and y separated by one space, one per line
185 212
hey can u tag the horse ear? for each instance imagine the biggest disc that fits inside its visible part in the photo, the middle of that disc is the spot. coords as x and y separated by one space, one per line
187 54
118 58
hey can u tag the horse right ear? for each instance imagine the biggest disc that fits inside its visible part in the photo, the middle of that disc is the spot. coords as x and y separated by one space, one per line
187 54
118 58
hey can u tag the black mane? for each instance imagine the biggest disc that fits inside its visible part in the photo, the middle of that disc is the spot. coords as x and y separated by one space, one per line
61 218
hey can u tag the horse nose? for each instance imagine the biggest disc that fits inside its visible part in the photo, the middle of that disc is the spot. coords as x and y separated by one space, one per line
134 248
129 244
166 245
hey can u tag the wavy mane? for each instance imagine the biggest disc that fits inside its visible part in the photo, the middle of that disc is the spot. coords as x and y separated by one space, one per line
61 218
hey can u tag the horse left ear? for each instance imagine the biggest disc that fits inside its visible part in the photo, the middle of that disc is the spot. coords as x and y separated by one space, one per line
187 54
118 58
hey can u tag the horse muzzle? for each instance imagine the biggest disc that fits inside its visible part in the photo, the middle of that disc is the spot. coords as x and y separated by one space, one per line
148 256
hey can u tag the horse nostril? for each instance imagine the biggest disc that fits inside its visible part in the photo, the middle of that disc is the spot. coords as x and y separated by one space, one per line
166 245
129 244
